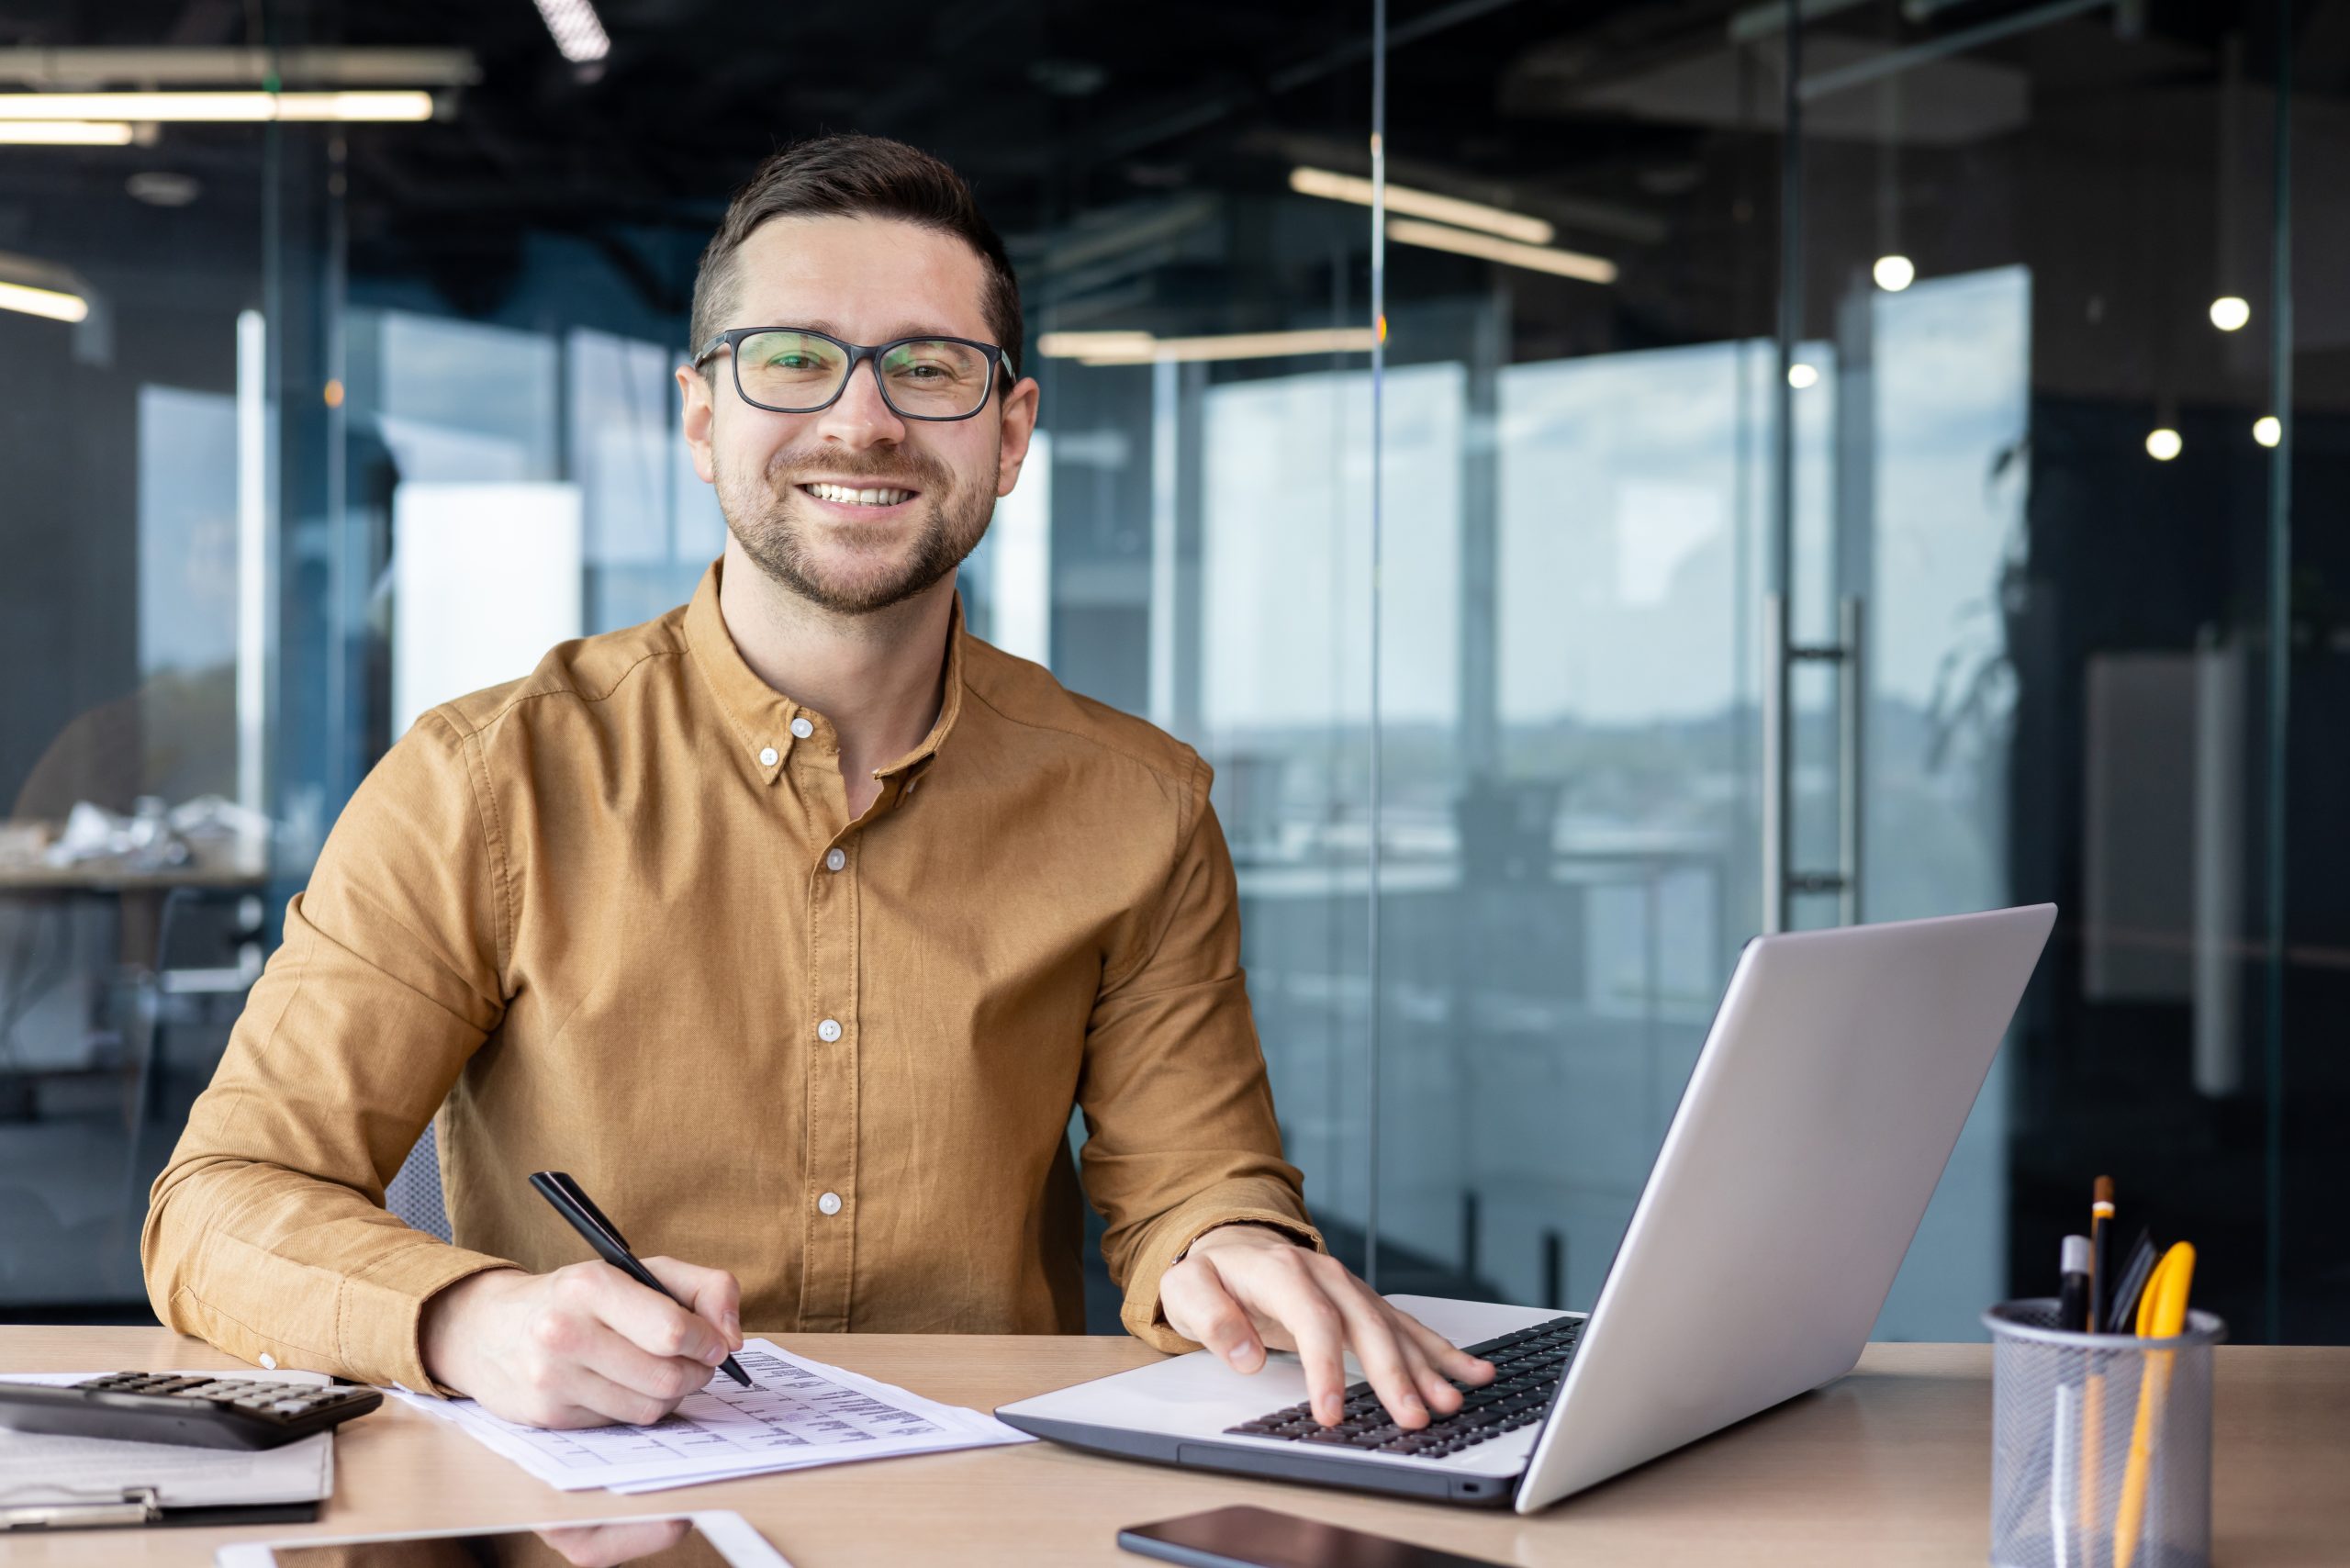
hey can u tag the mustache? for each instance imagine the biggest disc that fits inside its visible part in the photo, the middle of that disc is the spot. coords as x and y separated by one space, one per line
902 470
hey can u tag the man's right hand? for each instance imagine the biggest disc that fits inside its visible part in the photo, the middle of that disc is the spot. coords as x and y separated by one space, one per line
585 1345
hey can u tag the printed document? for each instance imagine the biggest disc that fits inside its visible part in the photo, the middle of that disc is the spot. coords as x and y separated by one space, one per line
798 1413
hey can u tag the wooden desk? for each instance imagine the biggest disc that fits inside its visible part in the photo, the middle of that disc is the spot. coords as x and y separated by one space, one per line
1890 1467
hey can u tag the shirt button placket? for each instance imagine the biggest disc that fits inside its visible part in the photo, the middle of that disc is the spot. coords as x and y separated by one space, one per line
831 1169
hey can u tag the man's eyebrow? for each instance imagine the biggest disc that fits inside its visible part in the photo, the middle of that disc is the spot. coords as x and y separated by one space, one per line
903 330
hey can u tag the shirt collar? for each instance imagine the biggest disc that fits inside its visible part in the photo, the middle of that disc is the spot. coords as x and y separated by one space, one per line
762 717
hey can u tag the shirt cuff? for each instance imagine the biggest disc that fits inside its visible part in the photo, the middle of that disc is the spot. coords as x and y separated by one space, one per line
381 1313
1174 1237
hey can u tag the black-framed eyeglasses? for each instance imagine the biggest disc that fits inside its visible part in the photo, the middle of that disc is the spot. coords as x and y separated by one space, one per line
797 370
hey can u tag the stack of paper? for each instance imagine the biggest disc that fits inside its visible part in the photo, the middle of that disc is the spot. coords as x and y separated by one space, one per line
798 1413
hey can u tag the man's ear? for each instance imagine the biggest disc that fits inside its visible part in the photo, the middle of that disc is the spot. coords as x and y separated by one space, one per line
1019 427
696 420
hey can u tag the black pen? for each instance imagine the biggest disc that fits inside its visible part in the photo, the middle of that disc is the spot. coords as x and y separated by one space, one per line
572 1201
2073 1309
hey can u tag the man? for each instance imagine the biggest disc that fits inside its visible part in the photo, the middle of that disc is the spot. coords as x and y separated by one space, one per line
793 922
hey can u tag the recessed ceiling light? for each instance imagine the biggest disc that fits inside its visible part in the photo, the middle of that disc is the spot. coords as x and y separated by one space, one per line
1894 274
2163 444
2229 313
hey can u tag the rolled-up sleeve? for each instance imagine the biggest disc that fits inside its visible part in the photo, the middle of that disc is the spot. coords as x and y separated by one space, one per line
1180 1135
267 1233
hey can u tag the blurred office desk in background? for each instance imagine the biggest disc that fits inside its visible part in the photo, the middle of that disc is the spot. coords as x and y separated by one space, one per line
1889 1466
226 868
119 981
147 899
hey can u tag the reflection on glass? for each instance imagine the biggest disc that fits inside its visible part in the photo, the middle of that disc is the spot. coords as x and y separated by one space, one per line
1944 457
1287 708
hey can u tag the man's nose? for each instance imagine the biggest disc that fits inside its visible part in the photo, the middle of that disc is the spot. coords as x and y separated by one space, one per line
861 417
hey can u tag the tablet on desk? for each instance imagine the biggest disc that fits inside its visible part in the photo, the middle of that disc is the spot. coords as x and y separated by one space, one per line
711 1539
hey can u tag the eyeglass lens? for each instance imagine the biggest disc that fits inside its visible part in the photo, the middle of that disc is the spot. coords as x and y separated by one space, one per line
929 377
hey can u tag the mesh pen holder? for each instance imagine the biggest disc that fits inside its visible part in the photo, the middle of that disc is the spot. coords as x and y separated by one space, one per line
2100 1443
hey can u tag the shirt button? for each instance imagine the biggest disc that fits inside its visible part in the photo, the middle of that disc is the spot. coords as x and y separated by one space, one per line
830 1202
828 1031
835 858
766 757
803 728
268 1360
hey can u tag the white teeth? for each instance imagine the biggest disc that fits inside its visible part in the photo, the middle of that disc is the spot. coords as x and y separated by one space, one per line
846 496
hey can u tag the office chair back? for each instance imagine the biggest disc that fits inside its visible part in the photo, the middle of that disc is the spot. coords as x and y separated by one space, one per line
414 1193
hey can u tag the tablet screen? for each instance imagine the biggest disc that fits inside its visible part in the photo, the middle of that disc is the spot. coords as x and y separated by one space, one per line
643 1543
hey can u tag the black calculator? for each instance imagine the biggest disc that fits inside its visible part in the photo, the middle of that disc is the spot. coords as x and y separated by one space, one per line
197 1412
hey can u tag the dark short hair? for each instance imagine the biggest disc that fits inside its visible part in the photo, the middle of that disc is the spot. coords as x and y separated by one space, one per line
857 176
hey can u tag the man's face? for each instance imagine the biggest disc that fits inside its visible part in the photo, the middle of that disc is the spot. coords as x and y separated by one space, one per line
781 478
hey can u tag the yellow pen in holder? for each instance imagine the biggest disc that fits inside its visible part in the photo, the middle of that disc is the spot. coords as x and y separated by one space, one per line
2162 1314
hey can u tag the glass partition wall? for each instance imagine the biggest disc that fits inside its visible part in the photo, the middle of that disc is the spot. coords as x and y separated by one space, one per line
1820 475
1874 505
132 583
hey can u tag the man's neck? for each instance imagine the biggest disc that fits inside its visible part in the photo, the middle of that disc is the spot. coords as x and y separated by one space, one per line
877 677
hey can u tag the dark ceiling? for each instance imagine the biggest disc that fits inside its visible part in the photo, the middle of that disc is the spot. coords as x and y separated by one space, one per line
1123 150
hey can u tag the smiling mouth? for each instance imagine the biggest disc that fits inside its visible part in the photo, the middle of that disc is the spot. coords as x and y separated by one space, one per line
852 496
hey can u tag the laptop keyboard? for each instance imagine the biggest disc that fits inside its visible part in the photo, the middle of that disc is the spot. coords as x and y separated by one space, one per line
1527 1366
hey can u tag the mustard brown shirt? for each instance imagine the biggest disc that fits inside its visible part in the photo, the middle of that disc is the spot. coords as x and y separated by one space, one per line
614 919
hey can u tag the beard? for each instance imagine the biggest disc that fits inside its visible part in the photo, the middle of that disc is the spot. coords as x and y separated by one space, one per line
780 527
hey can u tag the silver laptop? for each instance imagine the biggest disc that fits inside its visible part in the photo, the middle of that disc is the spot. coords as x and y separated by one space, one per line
1829 1094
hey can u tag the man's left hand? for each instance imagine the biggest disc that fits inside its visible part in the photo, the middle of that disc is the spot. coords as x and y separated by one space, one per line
1243 1288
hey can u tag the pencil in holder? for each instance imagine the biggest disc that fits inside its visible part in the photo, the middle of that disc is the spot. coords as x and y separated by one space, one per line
2100 1443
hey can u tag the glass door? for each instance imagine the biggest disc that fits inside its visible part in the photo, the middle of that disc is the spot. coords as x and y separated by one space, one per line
2024 661
1866 504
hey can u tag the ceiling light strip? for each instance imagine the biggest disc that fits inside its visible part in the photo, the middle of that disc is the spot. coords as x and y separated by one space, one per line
1335 187
1486 247
65 133
191 107
172 65
1074 345
53 303
577 31
1142 348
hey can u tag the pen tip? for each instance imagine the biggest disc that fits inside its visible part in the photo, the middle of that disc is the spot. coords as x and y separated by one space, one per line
2103 1190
